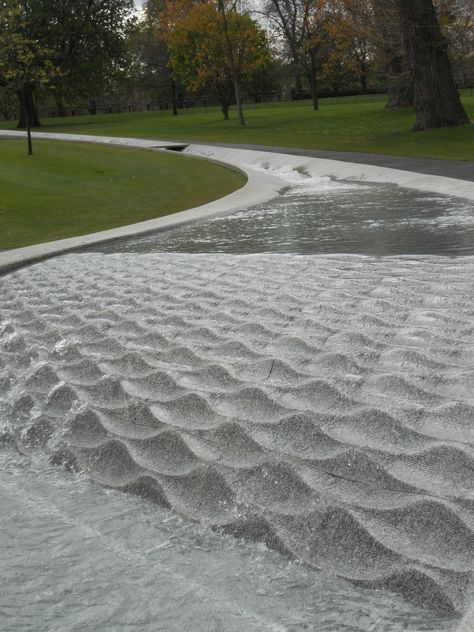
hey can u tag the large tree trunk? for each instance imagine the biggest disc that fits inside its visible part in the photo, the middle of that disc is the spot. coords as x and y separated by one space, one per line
436 100
28 115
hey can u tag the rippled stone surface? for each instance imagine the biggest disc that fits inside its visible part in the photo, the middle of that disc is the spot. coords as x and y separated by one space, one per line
321 405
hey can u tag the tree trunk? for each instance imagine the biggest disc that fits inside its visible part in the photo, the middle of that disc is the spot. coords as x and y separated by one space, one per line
233 64
238 102
225 111
223 92
23 95
28 115
174 97
436 100
314 85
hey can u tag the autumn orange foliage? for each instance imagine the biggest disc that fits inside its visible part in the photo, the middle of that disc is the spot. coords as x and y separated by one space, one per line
199 49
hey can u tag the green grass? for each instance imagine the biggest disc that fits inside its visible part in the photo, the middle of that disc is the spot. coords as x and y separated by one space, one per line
350 124
69 189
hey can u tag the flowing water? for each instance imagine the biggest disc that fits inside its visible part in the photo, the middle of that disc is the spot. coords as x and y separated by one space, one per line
302 423
327 217
79 557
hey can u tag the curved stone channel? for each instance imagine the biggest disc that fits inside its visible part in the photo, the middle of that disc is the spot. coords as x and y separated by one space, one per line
321 405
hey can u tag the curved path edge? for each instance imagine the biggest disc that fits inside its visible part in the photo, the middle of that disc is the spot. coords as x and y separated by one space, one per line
272 162
260 187
459 169
260 167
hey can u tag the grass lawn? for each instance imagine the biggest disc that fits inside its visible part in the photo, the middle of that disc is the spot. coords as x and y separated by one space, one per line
349 124
70 189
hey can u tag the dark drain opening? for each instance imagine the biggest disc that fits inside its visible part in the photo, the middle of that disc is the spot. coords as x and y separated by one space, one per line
176 148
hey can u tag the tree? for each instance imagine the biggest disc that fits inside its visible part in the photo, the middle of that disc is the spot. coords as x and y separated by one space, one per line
150 56
84 38
196 49
304 26
349 49
24 62
284 18
235 47
436 100
88 39
210 49
356 27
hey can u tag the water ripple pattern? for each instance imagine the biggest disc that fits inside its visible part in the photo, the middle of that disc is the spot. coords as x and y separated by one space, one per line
323 405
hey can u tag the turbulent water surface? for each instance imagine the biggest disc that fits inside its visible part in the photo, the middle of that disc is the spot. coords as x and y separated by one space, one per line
319 409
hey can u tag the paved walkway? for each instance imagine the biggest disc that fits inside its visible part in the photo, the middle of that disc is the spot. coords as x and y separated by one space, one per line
459 169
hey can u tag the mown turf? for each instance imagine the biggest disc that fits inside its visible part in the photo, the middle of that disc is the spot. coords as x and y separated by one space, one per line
69 189
351 124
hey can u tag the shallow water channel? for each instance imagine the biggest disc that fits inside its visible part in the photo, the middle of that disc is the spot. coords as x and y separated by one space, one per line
327 217
298 424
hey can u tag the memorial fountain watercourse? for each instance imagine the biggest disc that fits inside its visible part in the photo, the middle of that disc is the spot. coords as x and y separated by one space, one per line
290 385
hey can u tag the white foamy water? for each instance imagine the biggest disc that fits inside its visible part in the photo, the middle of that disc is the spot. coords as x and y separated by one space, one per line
301 180
322 406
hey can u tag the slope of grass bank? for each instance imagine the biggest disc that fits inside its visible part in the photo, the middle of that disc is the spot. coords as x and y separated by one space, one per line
350 124
70 189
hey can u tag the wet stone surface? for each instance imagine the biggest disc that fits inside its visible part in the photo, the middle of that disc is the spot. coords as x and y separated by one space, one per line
88 558
321 406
